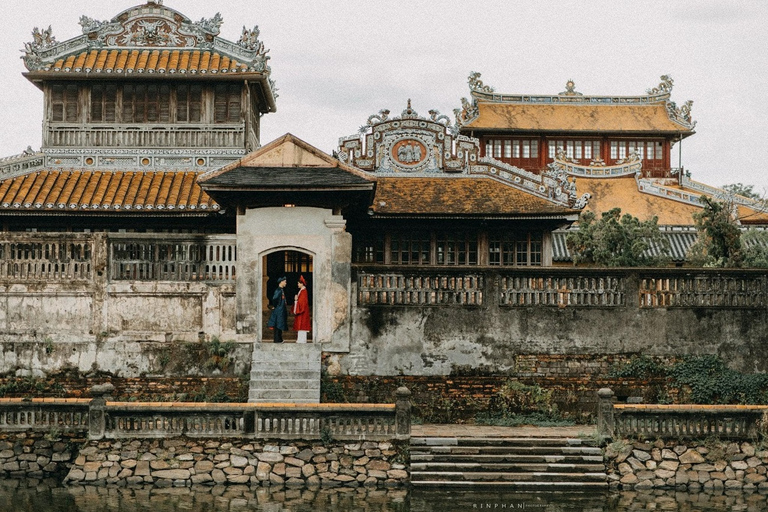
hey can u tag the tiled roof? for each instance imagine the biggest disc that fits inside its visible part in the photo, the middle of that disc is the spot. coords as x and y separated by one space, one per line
182 61
102 191
622 192
652 118
458 196
680 241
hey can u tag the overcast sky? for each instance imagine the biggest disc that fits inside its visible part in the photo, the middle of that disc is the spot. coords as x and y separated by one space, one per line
338 61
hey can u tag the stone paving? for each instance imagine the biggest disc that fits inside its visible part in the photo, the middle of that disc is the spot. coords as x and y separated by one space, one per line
445 430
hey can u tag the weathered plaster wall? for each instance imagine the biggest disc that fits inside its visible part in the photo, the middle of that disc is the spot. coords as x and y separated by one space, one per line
412 340
120 357
83 311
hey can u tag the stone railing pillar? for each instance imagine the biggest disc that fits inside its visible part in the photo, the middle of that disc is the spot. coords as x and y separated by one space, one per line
605 424
403 413
97 408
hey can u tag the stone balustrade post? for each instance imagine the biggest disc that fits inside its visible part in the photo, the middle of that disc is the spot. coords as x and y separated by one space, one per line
403 413
605 423
97 424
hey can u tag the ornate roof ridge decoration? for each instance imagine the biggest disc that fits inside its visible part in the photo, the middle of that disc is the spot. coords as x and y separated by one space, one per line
414 146
629 166
760 205
659 95
148 26
25 162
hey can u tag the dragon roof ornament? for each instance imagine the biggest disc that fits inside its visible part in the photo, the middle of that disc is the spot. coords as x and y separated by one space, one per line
148 26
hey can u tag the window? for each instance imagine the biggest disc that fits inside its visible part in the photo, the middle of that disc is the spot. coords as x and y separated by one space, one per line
369 250
189 103
515 249
226 103
64 104
583 151
511 149
296 262
456 249
146 103
621 149
103 103
410 248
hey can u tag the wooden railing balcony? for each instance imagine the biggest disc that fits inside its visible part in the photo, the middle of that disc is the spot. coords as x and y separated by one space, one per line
69 135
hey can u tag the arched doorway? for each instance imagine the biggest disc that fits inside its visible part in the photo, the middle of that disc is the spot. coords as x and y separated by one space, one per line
291 264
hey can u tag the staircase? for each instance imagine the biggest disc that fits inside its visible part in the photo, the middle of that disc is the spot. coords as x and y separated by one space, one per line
285 372
516 463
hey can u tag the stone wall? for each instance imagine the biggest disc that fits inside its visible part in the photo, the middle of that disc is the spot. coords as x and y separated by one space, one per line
695 465
36 455
184 462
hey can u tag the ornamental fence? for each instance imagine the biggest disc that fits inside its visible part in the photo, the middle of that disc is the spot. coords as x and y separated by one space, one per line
171 257
101 419
738 422
144 257
562 287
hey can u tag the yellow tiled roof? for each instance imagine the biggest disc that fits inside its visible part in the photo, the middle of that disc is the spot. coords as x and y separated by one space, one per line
86 190
622 192
458 196
650 118
182 61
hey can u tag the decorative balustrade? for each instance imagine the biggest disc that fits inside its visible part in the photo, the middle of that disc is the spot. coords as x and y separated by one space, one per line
692 421
707 290
418 289
50 257
562 290
136 136
339 421
129 420
740 422
137 257
43 415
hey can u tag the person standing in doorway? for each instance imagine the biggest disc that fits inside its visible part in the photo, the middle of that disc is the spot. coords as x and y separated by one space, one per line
301 322
278 320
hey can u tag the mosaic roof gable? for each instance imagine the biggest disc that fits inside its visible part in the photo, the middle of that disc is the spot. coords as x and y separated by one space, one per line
411 146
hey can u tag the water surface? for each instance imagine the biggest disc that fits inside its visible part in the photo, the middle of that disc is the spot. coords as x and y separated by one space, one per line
48 496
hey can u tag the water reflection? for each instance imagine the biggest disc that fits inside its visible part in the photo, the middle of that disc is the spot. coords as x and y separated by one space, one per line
48 496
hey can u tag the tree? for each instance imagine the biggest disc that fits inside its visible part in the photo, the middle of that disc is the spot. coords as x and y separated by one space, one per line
743 190
617 240
755 243
719 243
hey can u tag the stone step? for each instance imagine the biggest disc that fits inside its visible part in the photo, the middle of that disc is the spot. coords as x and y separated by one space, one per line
499 476
297 374
506 467
507 450
512 458
497 441
286 383
538 486
284 395
286 366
